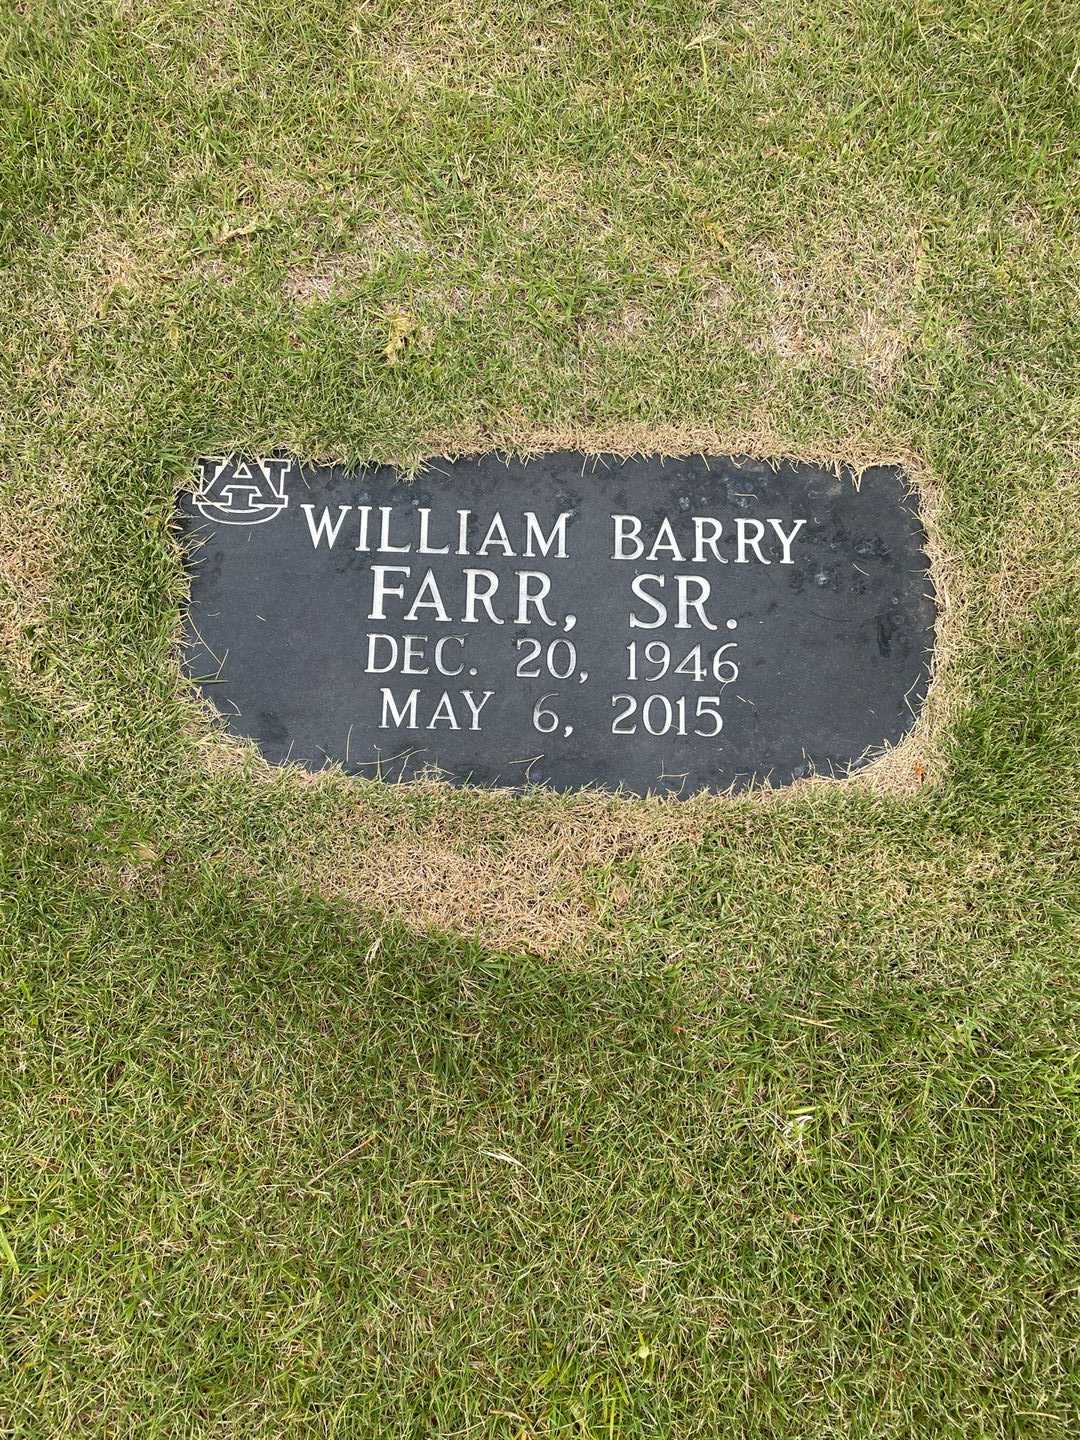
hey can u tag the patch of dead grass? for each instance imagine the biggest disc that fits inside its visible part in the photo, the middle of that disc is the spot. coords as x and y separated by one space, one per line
1043 551
522 875
393 233
130 258
325 276
30 547
854 300
715 299
849 300
454 43
625 324
322 278
551 204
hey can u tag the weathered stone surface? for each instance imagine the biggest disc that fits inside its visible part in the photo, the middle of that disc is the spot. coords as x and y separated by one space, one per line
653 625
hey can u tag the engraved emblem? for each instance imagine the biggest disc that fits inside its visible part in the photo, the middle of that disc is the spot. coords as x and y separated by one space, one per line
238 491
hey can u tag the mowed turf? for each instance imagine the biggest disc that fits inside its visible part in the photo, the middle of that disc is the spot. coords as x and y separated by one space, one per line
336 1109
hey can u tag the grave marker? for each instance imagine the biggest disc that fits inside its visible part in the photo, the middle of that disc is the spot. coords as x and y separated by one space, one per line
656 626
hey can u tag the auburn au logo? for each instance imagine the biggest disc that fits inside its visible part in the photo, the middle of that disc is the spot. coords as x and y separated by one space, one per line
239 491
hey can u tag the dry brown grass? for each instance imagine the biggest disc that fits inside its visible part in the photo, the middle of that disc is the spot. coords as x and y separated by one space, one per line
455 43
30 550
521 875
854 301
626 323
307 284
1043 552
113 260
324 276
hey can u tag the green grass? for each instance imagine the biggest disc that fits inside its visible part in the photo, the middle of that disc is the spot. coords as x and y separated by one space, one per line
772 1134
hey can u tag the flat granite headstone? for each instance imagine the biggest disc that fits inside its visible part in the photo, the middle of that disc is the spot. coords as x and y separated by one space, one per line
652 625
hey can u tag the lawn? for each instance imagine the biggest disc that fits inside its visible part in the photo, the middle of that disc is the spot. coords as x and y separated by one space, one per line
332 1108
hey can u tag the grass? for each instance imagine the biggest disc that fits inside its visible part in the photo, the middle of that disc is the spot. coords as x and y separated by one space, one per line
337 1110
